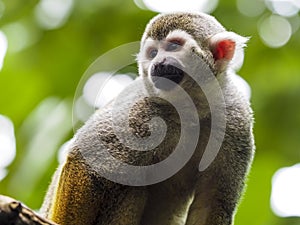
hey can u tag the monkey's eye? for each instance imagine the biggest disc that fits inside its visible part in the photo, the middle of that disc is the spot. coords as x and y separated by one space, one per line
152 52
174 45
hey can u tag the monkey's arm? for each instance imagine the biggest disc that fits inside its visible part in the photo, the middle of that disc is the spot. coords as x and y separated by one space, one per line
220 186
82 197
70 198
48 200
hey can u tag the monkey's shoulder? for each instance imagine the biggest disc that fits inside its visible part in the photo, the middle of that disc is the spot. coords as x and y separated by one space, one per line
239 137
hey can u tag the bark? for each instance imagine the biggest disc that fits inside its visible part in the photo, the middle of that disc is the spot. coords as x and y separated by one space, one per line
13 212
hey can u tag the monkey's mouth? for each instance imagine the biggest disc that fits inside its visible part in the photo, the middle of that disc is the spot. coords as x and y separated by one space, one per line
166 75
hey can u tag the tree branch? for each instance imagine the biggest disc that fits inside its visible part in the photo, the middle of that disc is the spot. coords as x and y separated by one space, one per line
14 212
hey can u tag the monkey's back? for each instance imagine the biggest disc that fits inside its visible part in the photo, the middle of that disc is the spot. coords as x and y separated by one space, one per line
98 154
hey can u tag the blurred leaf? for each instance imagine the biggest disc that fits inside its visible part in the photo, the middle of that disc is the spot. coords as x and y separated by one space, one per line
54 61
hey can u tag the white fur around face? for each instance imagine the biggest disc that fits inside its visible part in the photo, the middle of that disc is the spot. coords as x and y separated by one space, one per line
181 54
179 34
188 40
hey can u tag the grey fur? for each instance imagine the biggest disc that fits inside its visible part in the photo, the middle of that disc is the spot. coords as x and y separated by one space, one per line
79 195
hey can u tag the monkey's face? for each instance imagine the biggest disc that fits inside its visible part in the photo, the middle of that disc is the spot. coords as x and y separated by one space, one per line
170 62
185 50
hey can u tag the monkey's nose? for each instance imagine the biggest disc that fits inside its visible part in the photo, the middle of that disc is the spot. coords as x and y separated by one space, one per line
166 74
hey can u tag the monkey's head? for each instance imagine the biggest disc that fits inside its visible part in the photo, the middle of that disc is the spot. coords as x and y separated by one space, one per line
177 45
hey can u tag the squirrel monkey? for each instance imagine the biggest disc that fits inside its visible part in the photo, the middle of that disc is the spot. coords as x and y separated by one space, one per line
178 51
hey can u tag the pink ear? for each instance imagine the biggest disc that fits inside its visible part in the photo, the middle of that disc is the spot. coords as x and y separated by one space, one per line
224 49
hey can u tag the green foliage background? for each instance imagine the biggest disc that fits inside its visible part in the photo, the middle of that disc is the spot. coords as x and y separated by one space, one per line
50 69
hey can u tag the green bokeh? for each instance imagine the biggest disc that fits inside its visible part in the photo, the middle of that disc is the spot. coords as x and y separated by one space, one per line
40 81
